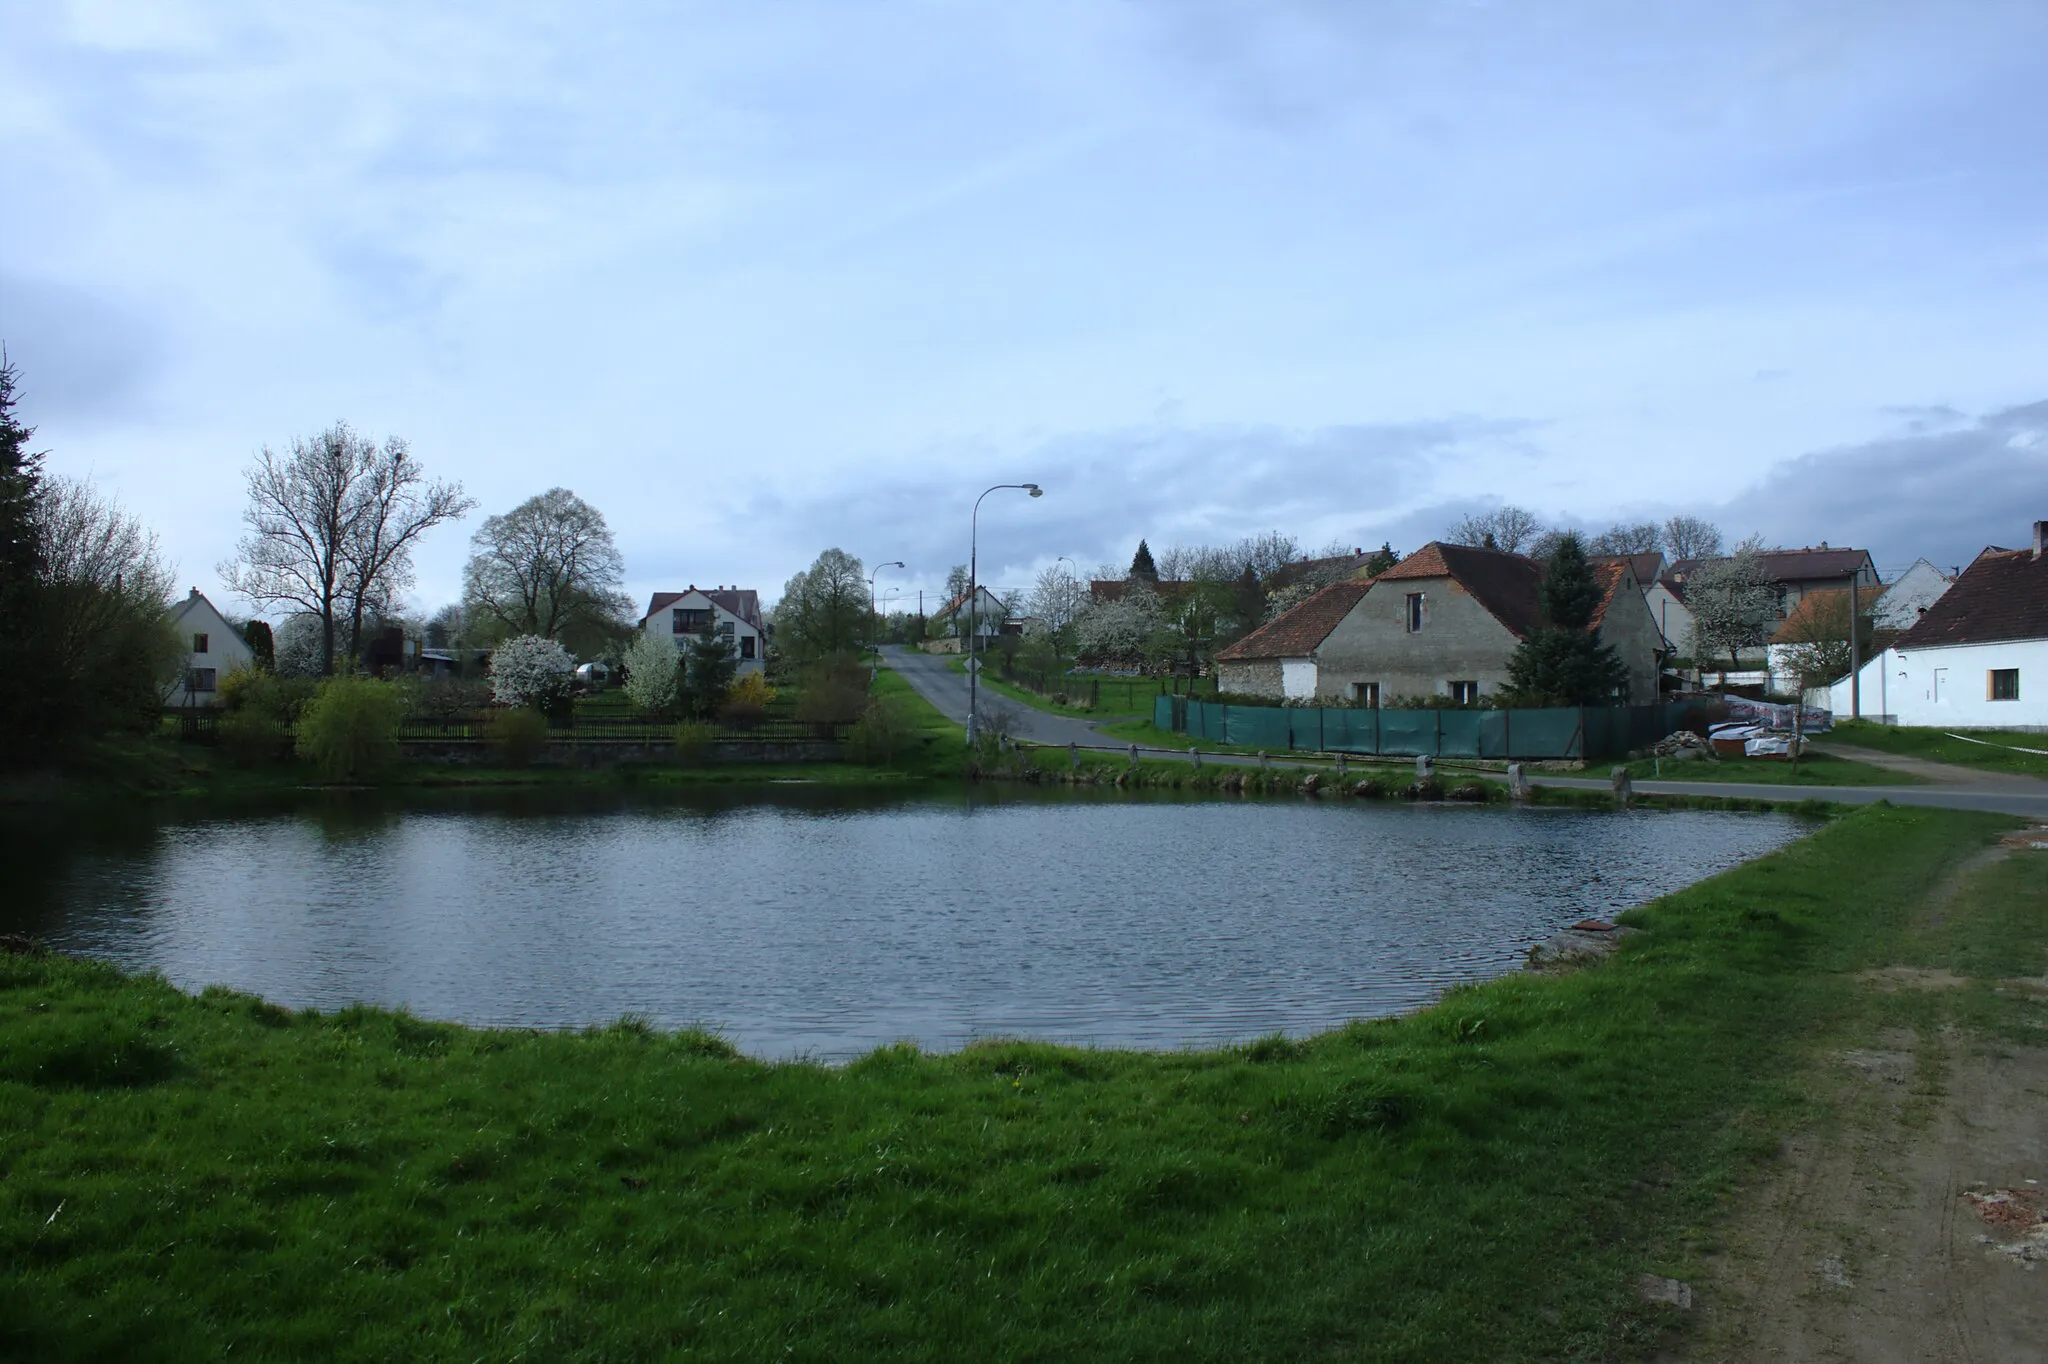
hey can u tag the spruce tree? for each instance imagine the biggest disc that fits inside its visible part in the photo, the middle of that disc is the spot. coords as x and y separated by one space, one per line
1563 662
1142 565
21 569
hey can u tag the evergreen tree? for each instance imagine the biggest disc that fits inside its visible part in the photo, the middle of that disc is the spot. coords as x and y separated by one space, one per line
1142 565
1382 559
262 643
1563 662
21 559
708 669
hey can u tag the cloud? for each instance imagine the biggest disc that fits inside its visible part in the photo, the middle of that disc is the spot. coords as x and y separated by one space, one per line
1106 489
80 356
1940 493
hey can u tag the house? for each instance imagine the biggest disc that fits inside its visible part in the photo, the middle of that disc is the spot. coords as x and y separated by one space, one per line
1666 599
1278 659
216 649
1799 571
1976 659
988 617
734 612
1442 622
1909 596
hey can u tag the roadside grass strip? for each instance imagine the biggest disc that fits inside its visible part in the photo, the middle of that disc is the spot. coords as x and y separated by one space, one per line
202 1176
1815 769
2012 751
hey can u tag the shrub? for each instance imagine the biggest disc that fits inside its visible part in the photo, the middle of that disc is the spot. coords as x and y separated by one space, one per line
445 698
835 693
281 698
653 675
693 741
747 699
518 735
877 736
351 728
249 736
532 670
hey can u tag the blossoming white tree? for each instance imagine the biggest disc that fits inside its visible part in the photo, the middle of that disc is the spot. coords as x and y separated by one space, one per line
532 670
651 674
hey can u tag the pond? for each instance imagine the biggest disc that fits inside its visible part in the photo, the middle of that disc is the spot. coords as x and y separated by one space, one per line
816 922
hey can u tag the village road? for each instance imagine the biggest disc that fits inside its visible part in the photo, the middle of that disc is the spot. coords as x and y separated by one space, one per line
1997 792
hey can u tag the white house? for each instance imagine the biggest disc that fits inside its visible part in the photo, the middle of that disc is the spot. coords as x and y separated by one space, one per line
1977 658
988 616
1673 617
1909 596
733 612
214 649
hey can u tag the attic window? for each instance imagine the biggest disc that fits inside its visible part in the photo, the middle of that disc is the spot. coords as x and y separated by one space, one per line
199 644
2004 684
1414 612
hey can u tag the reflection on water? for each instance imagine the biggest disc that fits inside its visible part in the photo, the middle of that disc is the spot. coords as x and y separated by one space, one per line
824 923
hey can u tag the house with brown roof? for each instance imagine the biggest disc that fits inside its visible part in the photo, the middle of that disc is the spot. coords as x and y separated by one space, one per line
1799 571
1442 622
1977 658
1278 659
734 612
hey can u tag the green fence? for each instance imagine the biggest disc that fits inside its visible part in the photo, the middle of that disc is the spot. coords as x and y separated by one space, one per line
1566 732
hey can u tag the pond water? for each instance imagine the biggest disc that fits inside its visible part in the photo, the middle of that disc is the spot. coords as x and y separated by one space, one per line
818 923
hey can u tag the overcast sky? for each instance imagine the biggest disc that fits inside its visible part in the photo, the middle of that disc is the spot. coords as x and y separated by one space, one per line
760 279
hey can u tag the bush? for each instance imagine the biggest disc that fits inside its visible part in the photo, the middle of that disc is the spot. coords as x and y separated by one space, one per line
877 736
693 741
532 670
747 699
351 728
835 693
282 698
653 675
517 735
250 736
445 698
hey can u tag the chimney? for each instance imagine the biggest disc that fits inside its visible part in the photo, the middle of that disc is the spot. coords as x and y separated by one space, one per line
2040 538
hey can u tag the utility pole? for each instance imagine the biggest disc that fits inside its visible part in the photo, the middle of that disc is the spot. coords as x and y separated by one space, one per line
1855 654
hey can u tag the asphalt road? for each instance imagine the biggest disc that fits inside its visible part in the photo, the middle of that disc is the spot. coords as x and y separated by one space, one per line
1996 792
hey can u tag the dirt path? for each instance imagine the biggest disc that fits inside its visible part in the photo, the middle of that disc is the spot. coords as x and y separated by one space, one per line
1940 773
1912 1224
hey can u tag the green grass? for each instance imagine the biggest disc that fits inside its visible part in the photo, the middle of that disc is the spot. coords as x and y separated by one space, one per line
1120 695
1937 746
190 1177
1815 769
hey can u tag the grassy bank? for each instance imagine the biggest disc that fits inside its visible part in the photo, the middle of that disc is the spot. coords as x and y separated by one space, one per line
1815 769
213 1175
1994 751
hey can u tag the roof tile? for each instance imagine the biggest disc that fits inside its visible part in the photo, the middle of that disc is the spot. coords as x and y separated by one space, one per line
2002 595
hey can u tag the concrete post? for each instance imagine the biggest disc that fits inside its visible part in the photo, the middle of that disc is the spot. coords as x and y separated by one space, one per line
1340 767
1134 755
1195 757
1263 762
1624 789
1074 755
1425 767
1518 782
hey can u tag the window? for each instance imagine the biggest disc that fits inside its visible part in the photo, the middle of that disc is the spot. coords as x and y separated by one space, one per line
689 620
2005 684
199 679
1464 693
1414 612
1366 694
199 644
746 646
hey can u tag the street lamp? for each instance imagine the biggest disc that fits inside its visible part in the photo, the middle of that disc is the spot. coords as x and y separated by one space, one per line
974 606
897 563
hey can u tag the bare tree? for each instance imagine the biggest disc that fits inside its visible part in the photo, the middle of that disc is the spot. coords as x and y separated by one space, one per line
1644 537
1506 528
331 529
548 567
105 648
1691 537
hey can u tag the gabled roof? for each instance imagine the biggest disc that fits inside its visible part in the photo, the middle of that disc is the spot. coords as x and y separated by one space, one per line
2002 595
1507 585
960 601
743 602
1648 567
1300 630
1790 565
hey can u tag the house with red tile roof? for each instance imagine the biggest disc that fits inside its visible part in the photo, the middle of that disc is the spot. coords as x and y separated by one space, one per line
1977 658
1442 622
1798 572
734 612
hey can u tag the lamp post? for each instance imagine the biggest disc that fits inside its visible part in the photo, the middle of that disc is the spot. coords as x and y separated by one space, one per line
974 605
877 666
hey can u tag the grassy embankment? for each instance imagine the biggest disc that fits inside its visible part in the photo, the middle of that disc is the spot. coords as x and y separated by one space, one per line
1995 751
1815 769
1119 695
209 1176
